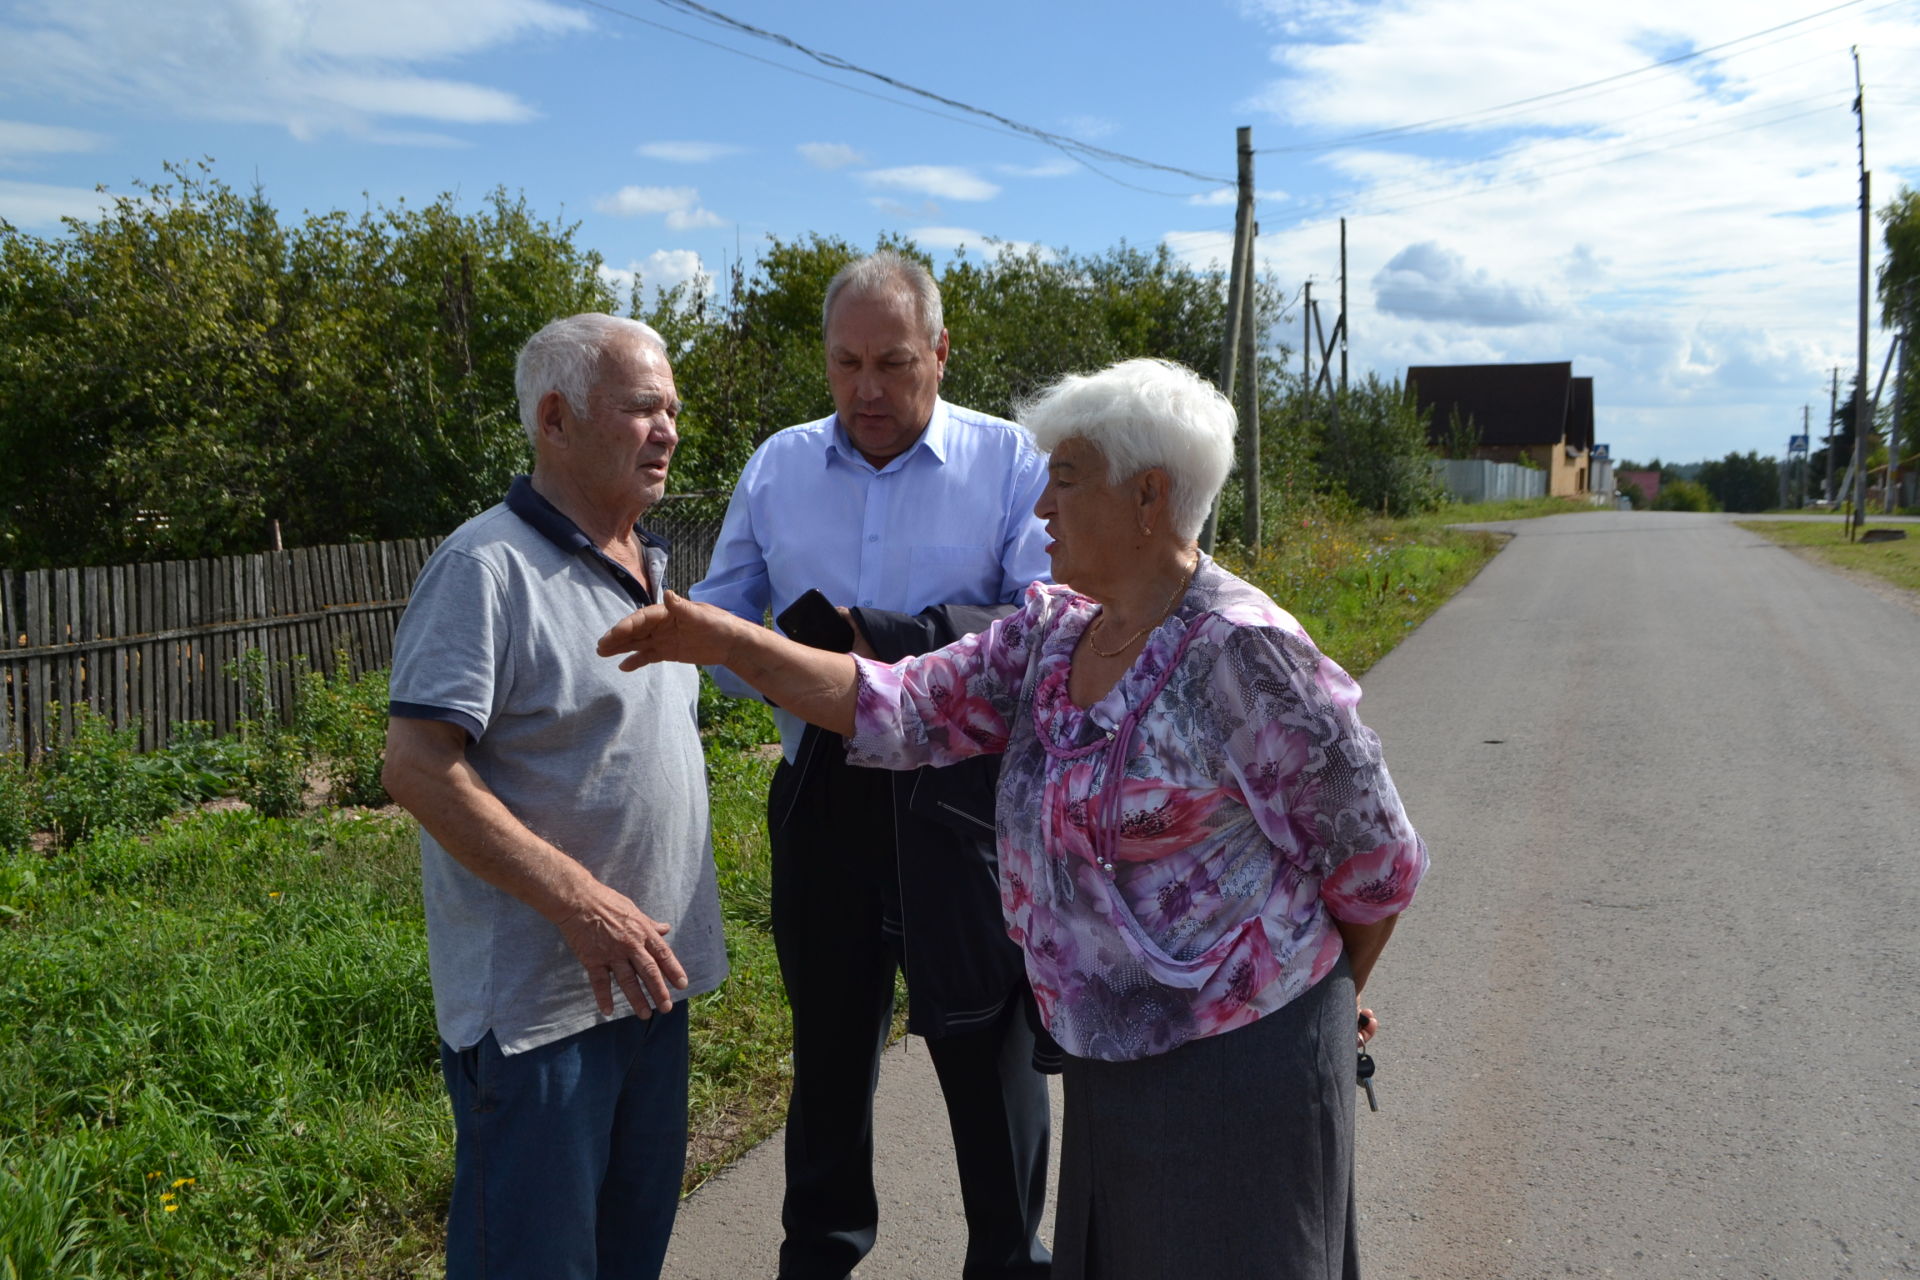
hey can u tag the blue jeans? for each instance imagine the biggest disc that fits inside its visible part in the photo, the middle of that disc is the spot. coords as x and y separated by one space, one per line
568 1157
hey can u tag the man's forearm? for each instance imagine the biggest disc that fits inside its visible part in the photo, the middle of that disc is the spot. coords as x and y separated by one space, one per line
479 832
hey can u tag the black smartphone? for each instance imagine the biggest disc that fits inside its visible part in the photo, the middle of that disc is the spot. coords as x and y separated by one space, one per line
813 621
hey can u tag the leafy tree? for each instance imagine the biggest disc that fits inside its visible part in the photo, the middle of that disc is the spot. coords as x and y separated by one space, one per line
1374 448
1743 482
1682 495
187 369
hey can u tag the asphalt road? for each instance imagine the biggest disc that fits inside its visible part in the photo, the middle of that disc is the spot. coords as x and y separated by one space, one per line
1657 1009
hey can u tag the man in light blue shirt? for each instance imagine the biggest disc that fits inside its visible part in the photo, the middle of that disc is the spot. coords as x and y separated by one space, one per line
916 518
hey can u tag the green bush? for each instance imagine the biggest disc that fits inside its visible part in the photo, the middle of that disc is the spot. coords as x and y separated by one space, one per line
274 781
1683 495
19 804
96 780
341 721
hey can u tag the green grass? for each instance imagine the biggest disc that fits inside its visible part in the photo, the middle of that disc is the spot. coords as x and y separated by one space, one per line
1895 562
1359 587
243 1001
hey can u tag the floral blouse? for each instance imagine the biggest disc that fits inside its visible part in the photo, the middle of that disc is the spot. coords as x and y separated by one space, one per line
1172 858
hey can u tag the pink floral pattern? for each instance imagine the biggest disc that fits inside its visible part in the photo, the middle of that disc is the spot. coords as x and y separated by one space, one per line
1254 809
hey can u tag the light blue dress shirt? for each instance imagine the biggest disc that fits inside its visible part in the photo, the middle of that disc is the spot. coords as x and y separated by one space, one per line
949 521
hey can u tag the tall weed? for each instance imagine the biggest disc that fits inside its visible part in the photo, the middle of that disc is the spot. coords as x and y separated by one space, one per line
96 780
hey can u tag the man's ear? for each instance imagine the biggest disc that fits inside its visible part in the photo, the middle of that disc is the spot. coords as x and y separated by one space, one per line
550 417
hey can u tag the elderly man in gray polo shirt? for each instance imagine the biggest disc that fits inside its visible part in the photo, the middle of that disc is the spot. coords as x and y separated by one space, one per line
565 845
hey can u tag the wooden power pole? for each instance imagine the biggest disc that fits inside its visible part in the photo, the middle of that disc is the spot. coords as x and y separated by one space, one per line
1239 351
1862 422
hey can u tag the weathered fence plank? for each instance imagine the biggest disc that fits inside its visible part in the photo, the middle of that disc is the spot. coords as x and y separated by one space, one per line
151 644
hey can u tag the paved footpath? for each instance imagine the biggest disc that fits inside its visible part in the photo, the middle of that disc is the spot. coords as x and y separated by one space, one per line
1657 1010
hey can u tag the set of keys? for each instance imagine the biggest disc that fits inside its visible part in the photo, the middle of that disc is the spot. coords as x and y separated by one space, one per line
1365 1071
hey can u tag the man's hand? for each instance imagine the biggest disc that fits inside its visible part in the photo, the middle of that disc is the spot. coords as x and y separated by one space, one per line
675 630
861 649
615 941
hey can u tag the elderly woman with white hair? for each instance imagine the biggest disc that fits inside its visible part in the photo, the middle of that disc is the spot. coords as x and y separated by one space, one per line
1201 852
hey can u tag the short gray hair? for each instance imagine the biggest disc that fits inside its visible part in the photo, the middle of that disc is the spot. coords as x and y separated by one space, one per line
1140 414
879 272
565 356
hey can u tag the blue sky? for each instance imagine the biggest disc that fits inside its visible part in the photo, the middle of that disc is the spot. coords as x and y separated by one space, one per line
1686 234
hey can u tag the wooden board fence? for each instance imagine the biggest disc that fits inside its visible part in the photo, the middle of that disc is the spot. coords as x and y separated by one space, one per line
152 644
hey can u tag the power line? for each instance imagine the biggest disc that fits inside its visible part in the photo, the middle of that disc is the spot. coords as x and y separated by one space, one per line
1427 125
1561 173
1083 152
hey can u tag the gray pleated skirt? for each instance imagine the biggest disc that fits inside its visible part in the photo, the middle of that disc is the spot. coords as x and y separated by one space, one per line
1230 1157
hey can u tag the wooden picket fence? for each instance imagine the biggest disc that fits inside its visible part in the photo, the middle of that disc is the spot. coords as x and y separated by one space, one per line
151 644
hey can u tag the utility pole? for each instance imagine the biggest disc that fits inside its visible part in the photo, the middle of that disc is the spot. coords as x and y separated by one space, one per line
1894 437
1833 411
1344 334
1805 430
1241 317
1250 369
1861 422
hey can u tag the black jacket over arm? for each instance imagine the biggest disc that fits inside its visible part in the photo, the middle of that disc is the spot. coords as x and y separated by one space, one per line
961 965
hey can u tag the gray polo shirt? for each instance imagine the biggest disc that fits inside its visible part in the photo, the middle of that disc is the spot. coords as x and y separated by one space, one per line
606 765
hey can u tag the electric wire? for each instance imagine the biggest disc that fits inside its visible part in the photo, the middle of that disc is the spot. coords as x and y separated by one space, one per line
1438 121
1081 152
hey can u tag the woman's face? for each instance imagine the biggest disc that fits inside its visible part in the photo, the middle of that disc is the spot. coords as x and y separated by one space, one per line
1094 524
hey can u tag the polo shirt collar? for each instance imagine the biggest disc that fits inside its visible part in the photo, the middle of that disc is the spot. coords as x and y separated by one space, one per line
934 439
556 527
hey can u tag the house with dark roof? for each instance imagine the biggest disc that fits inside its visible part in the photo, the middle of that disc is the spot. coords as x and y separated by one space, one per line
1539 414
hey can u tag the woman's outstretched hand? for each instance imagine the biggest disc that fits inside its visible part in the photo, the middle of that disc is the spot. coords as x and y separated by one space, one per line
675 630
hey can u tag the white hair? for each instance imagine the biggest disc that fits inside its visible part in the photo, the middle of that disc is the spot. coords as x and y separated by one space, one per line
881 272
1140 414
565 356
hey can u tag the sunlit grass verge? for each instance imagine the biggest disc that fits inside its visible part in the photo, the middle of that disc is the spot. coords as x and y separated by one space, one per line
219 1051
1896 562
1359 586
216 1040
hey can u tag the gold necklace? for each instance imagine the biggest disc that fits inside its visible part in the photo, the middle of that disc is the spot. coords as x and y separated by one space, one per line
1127 643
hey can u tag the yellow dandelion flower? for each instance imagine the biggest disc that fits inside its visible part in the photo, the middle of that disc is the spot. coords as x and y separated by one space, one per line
166 1195
273 893
182 1182
153 1175
172 1208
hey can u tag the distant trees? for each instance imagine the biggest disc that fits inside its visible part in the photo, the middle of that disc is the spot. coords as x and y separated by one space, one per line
191 369
188 369
1742 482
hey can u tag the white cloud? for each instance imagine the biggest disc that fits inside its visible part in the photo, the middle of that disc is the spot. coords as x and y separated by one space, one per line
1086 128
687 219
1430 282
943 182
1227 195
952 238
680 206
661 271
688 152
829 155
634 202
18 140
344 66
1676 234
34 205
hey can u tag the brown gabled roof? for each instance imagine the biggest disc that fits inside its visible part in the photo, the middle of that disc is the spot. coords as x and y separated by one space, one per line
1511 404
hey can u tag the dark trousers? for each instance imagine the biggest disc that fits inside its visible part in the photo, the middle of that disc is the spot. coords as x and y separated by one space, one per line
568 1157
836 927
